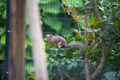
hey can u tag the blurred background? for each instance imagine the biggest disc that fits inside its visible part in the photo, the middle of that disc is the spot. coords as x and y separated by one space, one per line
60 17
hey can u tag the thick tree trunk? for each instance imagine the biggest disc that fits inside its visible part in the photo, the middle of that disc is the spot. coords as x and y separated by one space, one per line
37 41
17 40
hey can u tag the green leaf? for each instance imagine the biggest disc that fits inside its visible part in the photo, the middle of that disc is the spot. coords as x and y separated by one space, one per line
92 30
97 30
63 63
94 63
94 23
27 20
110 75
3 39
62 54
70 67
101 8
69 35
117 23
74 64
115 30
51 59
32 75
76 31
118 74
1 30
89 30
4 14
104 2
68 61
105 11
112 57
1 4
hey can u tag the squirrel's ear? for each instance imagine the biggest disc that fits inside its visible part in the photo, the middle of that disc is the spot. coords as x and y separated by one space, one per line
51 35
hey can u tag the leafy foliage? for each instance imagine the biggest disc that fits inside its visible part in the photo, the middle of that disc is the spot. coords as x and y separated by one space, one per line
108 11
60 17
110 75
64 62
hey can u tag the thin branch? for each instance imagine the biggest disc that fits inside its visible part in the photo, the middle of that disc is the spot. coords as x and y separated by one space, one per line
97 46
93 40
93 44
68 76
63 71
90 55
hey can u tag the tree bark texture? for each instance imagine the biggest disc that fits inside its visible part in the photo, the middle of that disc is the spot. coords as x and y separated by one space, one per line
37 40
17 40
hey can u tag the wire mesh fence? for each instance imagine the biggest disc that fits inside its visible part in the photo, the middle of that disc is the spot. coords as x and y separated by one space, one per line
54 21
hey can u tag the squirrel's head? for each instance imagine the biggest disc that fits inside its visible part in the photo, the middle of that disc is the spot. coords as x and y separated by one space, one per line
49 38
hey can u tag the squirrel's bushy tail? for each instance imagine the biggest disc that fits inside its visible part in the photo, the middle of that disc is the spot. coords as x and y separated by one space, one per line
75 45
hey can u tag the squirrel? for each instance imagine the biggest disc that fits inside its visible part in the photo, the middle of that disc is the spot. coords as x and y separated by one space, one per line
57 40
60 41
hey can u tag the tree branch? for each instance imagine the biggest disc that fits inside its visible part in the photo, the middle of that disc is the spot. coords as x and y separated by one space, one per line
68 76
97 46
93 40
102 62
86 67
65 74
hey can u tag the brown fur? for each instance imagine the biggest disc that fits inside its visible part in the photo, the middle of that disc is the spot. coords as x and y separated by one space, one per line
57 40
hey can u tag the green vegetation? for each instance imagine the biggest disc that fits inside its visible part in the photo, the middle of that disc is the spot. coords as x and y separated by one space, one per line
67 18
